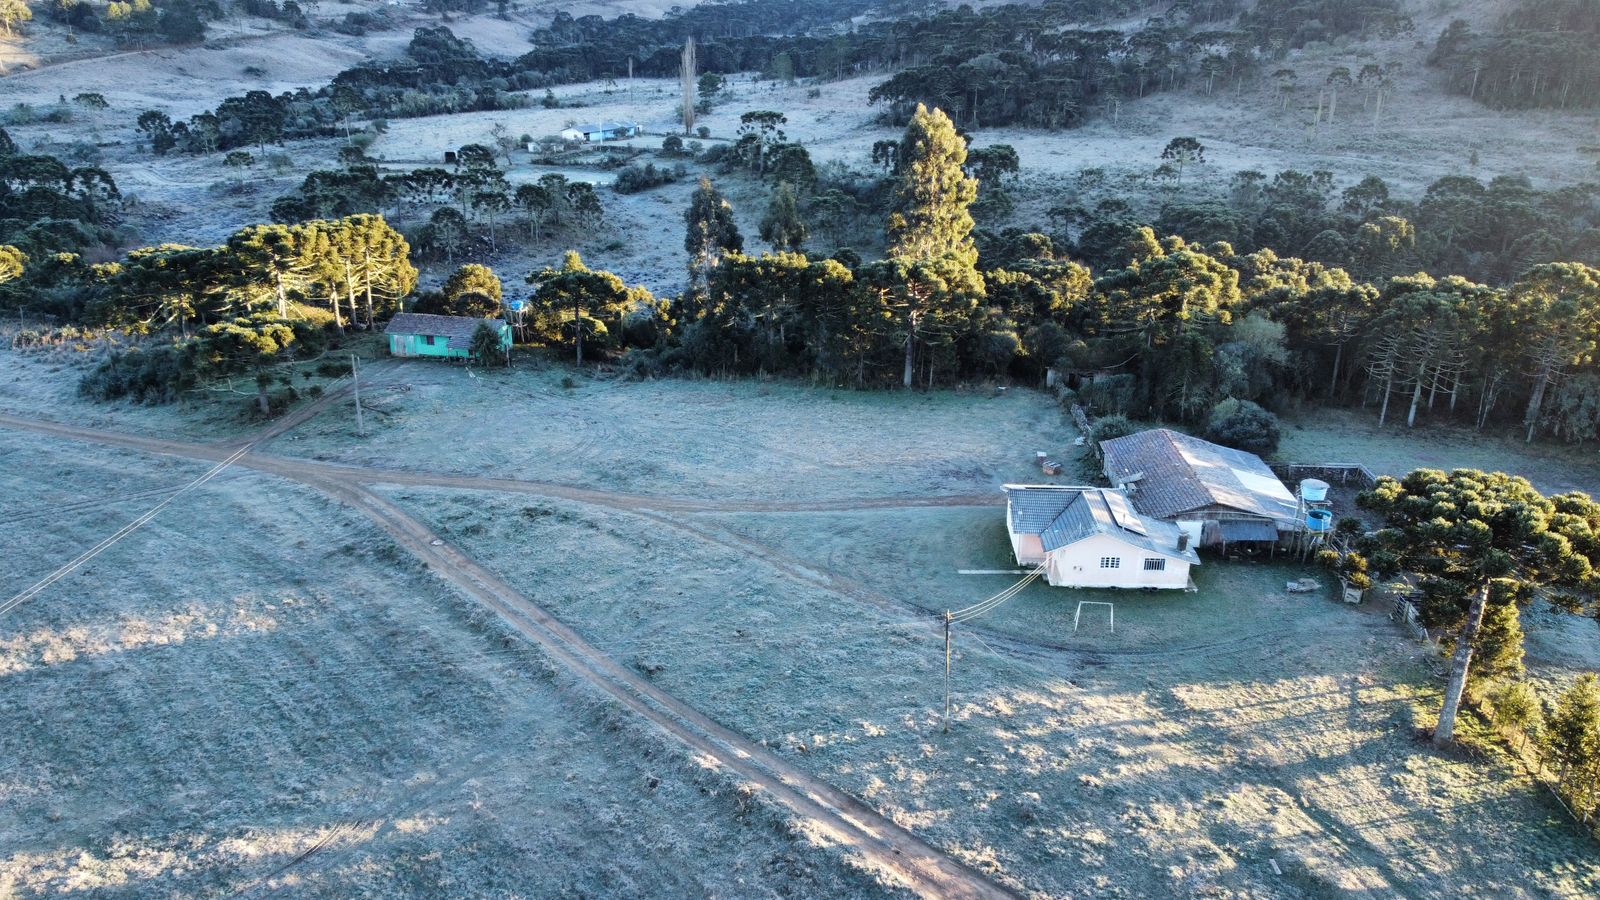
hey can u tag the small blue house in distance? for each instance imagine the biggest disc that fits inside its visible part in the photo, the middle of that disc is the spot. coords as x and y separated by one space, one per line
600 131
419 334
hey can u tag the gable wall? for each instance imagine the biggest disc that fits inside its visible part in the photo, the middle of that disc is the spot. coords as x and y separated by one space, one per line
1078 565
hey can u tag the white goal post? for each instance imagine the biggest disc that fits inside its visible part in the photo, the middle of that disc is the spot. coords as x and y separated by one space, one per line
1111 608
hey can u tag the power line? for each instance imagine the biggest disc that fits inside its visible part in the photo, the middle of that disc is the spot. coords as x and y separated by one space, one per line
978 609
82 558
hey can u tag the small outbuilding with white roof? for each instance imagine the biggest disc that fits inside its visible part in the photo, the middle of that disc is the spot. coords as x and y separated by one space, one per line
1092 537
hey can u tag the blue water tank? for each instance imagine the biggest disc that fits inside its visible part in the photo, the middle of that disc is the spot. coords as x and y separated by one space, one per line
1313 490
1319 520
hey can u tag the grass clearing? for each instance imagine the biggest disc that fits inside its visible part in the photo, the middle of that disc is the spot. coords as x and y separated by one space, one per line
257 676
1212 734
708 439
1353 436
1110 770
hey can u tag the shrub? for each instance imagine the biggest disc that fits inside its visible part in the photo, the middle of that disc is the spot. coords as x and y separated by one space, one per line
1244 426
158 374
1108 396
486 346
636 178
1111 427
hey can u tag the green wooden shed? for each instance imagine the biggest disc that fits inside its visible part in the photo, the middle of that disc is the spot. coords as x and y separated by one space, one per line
419 334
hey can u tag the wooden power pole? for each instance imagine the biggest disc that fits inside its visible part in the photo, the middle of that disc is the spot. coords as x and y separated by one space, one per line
947 620
355 377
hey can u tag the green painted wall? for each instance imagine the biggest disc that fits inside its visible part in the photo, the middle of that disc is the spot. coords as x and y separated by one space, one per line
417 345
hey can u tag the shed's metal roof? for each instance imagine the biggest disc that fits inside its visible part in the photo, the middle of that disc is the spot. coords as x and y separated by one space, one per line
1248 530
458 329
1063 515
1179 473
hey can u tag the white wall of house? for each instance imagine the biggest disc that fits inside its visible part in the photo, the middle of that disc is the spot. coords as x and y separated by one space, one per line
1028 549
1080 565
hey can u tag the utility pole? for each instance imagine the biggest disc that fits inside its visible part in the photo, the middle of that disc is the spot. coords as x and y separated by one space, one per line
947 620
355 376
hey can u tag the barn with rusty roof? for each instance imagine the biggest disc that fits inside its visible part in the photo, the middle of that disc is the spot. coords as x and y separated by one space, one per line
1219 495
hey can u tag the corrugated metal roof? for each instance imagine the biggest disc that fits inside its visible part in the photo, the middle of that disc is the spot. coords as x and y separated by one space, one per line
1062 516
1179 473
458 329
1247 530
1075 523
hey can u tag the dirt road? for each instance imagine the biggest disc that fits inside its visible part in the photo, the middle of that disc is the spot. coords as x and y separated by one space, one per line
303 469
898 856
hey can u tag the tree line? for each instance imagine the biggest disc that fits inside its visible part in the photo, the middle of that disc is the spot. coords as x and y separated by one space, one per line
1542 53
1019 64
127 21
48 206
1167 329
467 207
269 293
1488 230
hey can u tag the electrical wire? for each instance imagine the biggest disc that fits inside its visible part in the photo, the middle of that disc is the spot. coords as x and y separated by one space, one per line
39 586
986 606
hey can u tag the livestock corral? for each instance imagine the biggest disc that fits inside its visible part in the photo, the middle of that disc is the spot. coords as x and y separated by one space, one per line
325 670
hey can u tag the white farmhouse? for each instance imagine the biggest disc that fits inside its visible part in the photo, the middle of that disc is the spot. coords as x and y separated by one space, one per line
1091 537
595 132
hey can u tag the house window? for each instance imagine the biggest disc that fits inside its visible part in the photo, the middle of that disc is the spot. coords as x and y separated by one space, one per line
428 339
1110 562
1155 565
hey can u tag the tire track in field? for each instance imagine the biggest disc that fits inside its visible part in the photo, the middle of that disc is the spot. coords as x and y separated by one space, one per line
297 469
884 846
893 852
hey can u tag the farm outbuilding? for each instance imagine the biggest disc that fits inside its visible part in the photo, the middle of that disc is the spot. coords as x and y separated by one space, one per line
1092 537
1219 496
419 334
600 131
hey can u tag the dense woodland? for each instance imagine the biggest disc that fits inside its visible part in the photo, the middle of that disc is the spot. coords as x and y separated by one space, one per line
1542 54
47 205
1050 65
1155 326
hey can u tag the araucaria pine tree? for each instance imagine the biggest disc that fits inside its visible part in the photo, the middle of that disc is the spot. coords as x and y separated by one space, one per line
710 232
1470 536
686 78
782 227
932 215
930 235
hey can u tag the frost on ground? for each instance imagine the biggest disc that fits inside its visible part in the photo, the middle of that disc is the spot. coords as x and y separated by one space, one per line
258 689
706 439
1353 436
262 677
1151 764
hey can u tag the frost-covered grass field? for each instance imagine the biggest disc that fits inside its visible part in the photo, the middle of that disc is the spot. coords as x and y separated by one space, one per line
259 674
704 439
1353 436
1139 765
257 689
